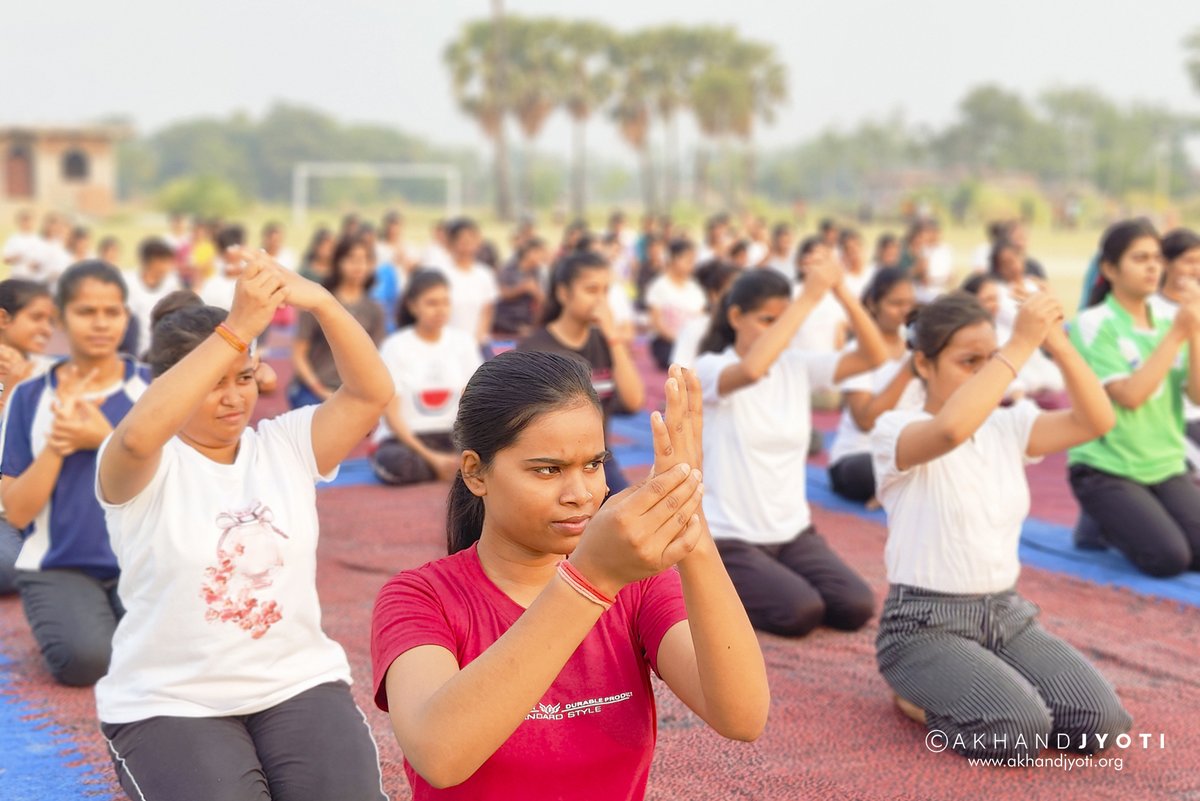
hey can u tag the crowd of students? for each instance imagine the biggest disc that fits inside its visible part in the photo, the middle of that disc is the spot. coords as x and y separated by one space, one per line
164 548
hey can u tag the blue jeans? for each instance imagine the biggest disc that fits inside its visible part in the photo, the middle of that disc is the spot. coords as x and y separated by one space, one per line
299 395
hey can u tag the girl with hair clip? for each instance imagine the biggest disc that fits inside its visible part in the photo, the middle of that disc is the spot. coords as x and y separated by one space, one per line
65 571
757 427
430 363
578 322
963 652
26 323
1133 484
889 298
523 659
223 685
350 282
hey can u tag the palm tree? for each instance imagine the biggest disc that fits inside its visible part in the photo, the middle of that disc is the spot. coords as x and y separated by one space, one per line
766 82
1192 46
476 64
587 47
721 101
631 110
675 54
536 82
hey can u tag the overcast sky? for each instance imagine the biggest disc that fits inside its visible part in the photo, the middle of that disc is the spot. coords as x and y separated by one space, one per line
380 60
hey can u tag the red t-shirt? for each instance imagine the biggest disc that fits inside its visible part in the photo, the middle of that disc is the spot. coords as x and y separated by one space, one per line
592 735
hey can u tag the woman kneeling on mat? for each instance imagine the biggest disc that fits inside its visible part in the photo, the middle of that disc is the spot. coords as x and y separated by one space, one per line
511 671
222 683
757 425
962 650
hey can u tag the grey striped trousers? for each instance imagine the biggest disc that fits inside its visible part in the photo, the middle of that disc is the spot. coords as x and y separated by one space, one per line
990 677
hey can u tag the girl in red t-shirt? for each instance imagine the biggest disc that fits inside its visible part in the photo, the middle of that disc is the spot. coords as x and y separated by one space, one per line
511 672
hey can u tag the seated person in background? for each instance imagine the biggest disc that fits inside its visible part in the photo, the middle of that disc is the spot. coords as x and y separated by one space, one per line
316 376
430 363
154 280
715 277
66 570
578 322
673 298
522 290
889 299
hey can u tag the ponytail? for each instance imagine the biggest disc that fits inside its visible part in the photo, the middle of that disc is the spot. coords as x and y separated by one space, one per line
720 334
464 516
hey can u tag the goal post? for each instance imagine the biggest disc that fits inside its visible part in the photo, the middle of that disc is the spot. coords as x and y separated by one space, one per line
304 171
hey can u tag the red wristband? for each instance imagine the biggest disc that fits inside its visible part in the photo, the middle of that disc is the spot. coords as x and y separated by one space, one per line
576 578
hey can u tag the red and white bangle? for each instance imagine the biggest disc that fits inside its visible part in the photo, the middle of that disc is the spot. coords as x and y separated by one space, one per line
575 580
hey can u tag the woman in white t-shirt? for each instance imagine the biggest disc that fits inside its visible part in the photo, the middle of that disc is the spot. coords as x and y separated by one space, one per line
757 425
430 363
26 323
673 299
473 286
890 298
715 277
222 683
962 650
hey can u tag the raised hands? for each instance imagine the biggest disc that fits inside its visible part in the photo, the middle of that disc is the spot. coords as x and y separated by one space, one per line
258 293
655 524
678 437
1037 317
822 273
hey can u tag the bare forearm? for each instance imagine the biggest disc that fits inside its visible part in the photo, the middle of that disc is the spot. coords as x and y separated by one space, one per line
1132 392
870 339
974 401
467 720
403 433
733 676
485 323
1090 404
866 413
630 389
172 398
1193 374
25 496
775 340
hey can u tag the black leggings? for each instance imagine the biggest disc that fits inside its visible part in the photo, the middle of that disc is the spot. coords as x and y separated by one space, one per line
661 349
315 746
853 478
1156 526
792 587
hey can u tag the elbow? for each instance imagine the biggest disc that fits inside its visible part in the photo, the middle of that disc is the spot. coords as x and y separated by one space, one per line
951 435
135 444
1104 422
440 770
745 727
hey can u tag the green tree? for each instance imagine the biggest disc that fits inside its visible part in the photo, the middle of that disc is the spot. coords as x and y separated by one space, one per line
590 80
1191 46
631 59
536 75
476 60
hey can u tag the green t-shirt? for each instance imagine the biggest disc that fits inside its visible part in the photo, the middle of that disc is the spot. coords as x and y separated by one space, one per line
1146 445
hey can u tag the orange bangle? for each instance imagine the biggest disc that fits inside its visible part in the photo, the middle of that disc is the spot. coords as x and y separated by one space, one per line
233 339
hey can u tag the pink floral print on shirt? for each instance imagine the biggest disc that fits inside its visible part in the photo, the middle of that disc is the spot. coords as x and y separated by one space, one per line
248 556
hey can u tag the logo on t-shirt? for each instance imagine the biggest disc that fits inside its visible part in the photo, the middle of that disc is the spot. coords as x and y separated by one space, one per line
249 554
432 401
575 709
